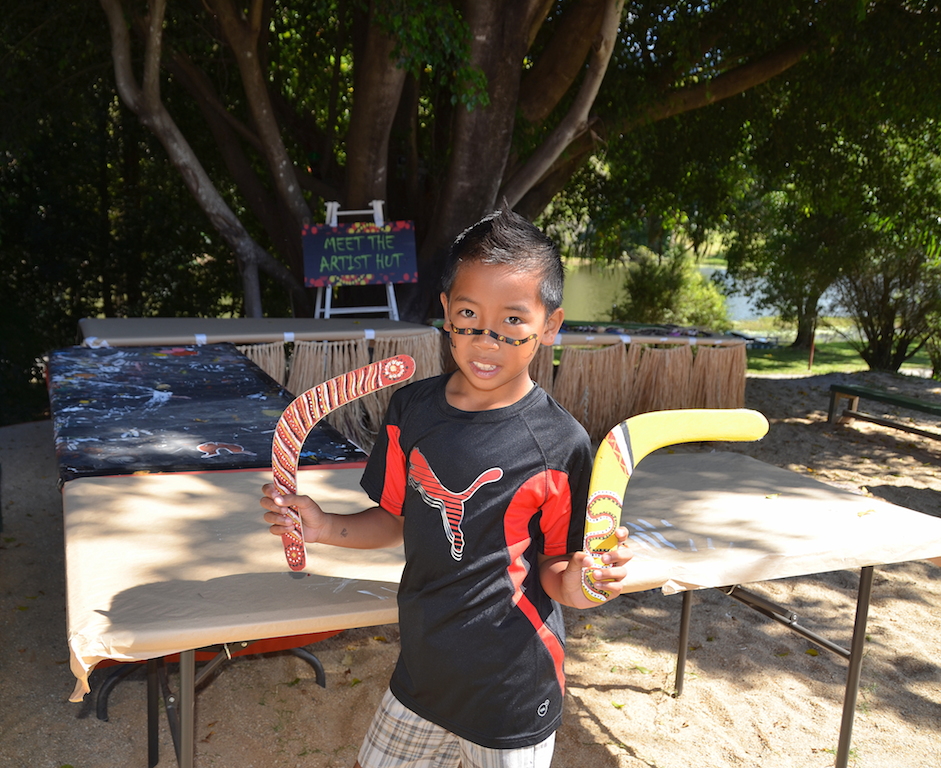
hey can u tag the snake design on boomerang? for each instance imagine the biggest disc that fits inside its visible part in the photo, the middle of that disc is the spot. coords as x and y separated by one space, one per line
302 415
630 441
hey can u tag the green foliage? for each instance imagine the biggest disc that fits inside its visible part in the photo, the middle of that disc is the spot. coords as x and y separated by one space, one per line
894 297
670 290
93 221
432 38
806 169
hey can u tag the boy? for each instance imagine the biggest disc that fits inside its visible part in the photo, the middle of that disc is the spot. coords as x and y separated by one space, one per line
485 479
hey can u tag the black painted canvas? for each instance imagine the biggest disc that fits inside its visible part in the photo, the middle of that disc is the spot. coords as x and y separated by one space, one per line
123 410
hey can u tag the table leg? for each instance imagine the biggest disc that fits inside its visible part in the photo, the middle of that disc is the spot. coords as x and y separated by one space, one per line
153 714
855 666
683 647
187 707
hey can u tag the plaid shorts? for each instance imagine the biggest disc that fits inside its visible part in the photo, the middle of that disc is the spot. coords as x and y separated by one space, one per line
398 738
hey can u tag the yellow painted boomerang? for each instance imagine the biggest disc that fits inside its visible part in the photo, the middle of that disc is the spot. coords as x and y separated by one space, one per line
629 442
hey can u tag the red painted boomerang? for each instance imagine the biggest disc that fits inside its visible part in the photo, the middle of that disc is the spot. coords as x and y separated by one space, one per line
302 415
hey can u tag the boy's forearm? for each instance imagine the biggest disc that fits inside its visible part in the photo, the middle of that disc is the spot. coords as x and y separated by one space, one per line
373 528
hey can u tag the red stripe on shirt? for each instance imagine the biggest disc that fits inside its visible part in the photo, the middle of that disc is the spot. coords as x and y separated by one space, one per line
394 481
547 492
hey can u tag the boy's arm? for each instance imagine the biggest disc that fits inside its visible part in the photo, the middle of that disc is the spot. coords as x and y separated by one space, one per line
561 576
373 528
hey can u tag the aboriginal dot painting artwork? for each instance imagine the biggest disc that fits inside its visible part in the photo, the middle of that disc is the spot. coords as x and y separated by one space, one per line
123 410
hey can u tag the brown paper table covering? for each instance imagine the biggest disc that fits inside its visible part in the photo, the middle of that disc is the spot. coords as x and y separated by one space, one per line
715 519
157 564
161 563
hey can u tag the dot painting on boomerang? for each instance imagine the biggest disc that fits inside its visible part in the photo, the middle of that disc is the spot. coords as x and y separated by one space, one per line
629 442
302 415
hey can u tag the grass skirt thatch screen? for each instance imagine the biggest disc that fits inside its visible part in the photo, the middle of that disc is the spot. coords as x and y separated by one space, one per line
593 384
599 385
603 386
314 362
269 357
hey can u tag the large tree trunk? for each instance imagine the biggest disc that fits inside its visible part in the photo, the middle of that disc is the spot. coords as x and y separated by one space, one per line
481 166
376 92
806 330
578 120
480 139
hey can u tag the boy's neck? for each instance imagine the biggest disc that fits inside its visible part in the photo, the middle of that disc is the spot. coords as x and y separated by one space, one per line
460 395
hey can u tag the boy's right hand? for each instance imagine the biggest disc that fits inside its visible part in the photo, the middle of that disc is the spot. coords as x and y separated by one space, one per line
313 517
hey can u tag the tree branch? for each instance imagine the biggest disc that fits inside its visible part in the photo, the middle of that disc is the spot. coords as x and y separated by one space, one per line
152 51
724 86
562 61
242 37
731 83
576 122
154 115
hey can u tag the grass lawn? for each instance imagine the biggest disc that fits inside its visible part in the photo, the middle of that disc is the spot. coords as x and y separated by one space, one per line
829 357
833 352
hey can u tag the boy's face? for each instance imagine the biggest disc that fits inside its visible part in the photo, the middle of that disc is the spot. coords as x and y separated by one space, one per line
493 373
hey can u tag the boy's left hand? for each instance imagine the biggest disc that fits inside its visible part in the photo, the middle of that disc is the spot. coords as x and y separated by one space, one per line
610 578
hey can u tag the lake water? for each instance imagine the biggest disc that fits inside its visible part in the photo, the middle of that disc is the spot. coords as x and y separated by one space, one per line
592 290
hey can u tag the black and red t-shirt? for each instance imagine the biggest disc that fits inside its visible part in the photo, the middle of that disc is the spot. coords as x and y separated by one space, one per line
481 495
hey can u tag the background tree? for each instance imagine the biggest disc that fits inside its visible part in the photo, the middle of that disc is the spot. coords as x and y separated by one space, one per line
642 113
92 219
893 296
458 105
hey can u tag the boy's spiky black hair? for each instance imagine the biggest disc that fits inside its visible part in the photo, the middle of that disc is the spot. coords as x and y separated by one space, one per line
506 238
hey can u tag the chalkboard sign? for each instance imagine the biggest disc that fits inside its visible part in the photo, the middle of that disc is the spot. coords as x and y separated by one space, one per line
359 254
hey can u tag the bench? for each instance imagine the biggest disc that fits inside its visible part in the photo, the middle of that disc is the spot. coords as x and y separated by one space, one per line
853 395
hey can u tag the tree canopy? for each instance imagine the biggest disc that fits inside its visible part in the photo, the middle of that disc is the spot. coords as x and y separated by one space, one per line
162 158
445 110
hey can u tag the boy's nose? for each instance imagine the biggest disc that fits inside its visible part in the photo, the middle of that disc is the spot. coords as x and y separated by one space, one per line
486 341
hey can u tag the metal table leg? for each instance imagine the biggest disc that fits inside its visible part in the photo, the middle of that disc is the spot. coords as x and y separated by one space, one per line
683 646
181 706
187 708
855 666
854 655
153 714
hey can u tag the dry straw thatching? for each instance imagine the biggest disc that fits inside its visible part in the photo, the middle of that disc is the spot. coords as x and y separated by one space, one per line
314 362
603 386
269 357
600 386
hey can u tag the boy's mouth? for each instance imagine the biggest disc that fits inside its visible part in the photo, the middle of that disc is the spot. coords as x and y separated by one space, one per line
484 368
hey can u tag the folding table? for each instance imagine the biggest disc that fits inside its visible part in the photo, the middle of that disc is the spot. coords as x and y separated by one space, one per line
159 564
116 411
144 331
173 409
700 520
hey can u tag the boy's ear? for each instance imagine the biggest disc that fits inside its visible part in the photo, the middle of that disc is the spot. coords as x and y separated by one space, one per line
553 326
447 316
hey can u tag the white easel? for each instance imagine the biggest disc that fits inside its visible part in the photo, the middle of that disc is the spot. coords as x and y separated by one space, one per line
323 307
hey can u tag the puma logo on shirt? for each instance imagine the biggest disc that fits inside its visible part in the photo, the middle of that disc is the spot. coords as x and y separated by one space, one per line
449 503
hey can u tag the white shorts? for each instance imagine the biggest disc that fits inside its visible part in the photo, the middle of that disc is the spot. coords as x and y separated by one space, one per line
398 738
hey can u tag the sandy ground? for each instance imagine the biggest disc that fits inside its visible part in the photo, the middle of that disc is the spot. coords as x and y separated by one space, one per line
755 694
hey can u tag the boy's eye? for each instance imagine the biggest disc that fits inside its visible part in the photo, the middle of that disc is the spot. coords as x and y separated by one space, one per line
514 321
466 313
